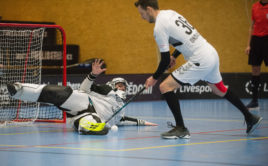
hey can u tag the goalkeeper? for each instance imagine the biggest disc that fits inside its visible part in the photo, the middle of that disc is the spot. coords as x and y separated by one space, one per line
89 107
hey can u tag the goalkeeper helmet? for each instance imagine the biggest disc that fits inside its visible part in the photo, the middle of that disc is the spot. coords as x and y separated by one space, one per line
119 85
91 124
117 80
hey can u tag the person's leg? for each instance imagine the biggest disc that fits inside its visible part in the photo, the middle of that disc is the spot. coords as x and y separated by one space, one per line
256 56
52 94
255 83
61 96
251 120
55 94
167 88
25 91
220 90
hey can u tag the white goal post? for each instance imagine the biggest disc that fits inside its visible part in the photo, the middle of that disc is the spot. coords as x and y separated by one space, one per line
21 61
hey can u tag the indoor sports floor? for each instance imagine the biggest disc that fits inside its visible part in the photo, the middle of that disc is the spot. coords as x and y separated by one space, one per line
218 138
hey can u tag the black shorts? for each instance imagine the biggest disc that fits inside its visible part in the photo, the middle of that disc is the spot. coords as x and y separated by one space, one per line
258 51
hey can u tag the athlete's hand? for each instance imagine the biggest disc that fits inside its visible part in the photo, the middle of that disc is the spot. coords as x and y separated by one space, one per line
96 67
150 82
172 62
247 50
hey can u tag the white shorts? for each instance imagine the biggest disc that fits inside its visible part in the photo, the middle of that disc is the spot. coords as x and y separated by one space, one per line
206 68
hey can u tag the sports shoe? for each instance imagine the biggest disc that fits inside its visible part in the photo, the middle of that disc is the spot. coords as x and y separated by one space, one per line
176 132
252 123
253 105
13 88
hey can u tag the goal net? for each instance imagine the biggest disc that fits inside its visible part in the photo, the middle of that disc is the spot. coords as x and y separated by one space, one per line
21 61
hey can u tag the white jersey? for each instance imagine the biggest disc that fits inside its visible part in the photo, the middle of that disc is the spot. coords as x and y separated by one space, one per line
105 104
203 61
172 28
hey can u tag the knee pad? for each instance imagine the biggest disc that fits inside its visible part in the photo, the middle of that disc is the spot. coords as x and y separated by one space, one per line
221 87
55 94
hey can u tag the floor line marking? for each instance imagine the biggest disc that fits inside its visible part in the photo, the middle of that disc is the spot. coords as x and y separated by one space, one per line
142 148
201 119
61 130
33 132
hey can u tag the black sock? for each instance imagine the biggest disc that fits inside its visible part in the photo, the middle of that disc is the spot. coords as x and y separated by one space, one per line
174 105
232 98
255 83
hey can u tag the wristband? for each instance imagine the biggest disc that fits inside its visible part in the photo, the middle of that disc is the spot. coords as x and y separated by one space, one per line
91 76
176 53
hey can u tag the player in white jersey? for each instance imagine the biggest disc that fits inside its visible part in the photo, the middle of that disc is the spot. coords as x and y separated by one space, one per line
202 63
89 107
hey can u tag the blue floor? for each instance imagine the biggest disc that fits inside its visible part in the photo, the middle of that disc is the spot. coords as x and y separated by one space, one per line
218 138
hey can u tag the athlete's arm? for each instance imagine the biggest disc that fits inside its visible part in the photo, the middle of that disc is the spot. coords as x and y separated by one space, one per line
96 70
249 38
126 120
163 65
162 40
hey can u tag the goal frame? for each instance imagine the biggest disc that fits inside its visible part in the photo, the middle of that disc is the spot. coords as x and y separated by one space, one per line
64 59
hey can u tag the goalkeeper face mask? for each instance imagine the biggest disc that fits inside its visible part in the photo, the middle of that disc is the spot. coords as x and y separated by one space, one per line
92 125
120 86
121 94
